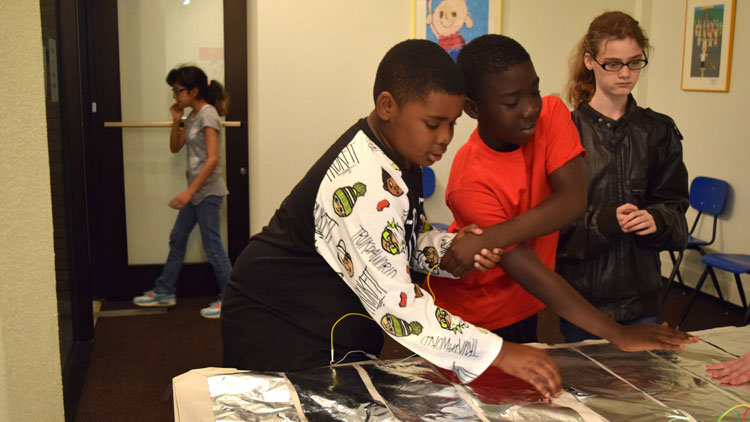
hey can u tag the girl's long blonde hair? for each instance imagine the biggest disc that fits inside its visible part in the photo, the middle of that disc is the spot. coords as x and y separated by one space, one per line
607 26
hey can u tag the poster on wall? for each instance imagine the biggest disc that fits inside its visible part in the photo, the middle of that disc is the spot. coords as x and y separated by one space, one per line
211 60
454 23
707 45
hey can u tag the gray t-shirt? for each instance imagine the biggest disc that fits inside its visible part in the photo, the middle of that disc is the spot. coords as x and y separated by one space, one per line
196 152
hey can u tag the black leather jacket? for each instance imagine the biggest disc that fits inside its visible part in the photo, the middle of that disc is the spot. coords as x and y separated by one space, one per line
636 159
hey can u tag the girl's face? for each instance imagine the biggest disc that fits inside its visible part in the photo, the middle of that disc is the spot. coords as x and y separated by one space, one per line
621 82
183 96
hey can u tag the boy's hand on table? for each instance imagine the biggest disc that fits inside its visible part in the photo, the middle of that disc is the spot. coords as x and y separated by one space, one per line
531 365
651 336
732 372
462 257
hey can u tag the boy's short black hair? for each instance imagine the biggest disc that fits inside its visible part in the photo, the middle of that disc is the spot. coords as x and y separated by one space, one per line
486 56
412 69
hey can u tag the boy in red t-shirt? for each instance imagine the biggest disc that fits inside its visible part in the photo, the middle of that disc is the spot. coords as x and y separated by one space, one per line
521 176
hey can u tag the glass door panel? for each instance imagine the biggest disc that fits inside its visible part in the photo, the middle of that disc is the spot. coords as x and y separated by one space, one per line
156 36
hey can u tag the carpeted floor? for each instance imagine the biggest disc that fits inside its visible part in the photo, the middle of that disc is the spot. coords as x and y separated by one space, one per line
135 357
129 377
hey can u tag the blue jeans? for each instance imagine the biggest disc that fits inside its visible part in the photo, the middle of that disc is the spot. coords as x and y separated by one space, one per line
206 214
574 333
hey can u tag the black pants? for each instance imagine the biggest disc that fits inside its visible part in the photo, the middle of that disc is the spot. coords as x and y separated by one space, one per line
523 331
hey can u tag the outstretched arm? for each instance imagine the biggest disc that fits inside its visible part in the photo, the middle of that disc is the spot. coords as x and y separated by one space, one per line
523 264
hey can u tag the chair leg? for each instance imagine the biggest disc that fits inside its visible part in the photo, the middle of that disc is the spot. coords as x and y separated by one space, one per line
741 290
716 283
676 268
675 271
694 294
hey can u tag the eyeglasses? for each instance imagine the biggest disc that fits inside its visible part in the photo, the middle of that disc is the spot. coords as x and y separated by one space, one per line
616 66
178 90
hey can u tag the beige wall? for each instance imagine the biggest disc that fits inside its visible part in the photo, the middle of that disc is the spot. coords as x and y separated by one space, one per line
713 124
312 65
30 375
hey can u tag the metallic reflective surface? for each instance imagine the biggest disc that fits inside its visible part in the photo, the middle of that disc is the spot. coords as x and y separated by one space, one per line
251 397
601 383
337 394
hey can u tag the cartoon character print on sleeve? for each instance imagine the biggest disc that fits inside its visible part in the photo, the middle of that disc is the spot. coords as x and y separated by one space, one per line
428 257
390 185
446 319
345 258
392 238
345 197
398 327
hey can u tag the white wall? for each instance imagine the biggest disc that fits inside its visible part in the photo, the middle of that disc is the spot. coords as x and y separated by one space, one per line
30 374
312 65
312 72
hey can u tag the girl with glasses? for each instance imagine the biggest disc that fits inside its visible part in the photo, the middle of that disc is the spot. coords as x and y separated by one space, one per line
637 187
200 202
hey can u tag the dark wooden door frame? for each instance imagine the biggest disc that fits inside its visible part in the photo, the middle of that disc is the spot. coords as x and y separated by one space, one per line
84 202
107 216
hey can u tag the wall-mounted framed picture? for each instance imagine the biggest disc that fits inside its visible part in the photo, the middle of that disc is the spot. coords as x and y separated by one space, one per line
454 23
707 45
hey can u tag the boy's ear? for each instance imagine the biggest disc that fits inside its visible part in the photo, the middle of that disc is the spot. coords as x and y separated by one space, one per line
470 108
385 106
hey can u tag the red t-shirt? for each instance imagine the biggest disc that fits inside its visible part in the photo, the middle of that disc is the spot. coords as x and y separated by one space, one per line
487 187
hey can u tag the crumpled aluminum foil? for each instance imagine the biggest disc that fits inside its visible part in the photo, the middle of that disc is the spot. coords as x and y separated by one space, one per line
603 383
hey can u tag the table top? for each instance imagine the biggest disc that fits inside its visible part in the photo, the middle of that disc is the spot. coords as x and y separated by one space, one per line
601 383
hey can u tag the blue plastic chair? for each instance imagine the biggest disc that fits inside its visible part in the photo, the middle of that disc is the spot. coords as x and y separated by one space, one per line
733 263
428 182
428 188
709 197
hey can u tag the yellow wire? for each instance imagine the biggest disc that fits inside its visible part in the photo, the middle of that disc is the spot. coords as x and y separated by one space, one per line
427 281
732 408
339 320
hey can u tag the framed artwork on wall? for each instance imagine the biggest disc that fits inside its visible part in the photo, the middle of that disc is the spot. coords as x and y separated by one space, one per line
707 45
454 23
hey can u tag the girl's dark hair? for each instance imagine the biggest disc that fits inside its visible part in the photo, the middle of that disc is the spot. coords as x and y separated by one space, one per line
607 26
193 77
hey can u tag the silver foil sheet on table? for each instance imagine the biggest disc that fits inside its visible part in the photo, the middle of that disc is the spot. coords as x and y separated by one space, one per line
409 390
679 391
416 391
694 359
603 392
251 396
607 385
